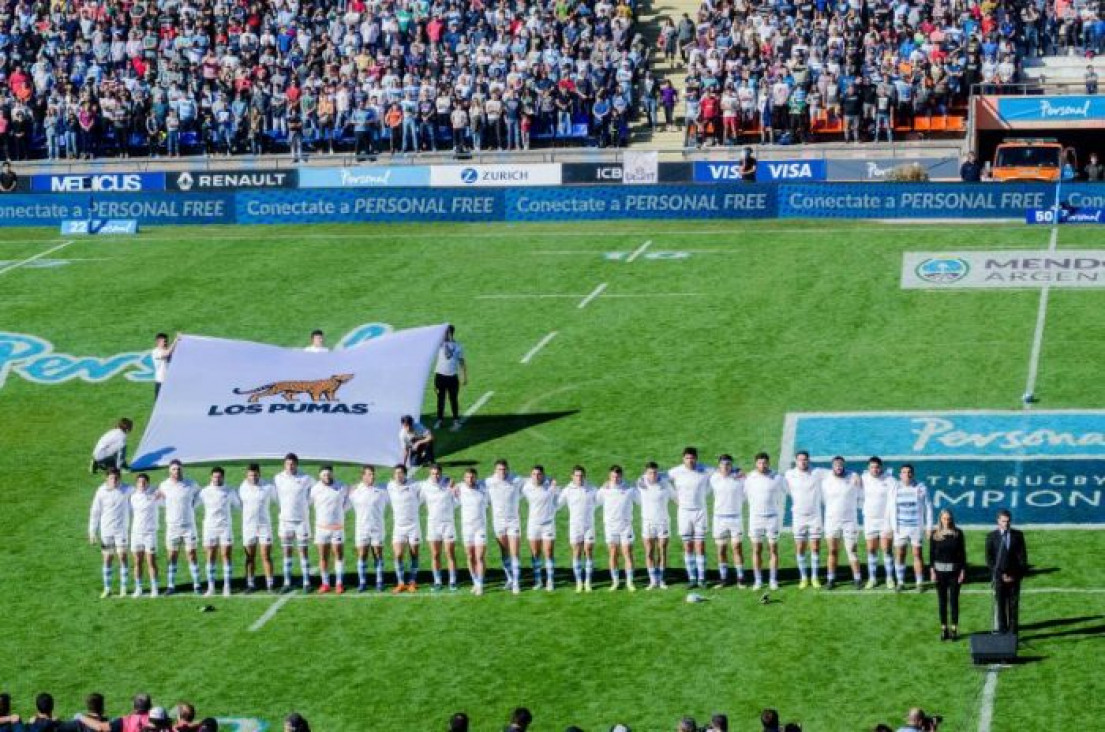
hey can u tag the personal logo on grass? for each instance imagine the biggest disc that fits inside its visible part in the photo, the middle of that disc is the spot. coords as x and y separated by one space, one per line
1013 269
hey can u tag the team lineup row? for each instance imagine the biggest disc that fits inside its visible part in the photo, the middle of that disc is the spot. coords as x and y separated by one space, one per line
824 503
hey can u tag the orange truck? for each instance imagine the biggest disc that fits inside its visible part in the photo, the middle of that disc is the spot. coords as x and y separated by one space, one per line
1033 159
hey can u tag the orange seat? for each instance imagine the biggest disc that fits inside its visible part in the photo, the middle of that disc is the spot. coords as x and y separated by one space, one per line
921 124
957 123
938 124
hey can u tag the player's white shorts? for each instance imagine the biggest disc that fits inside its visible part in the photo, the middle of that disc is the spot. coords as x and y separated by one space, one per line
728 526
761 527
329 536
221 536
616 535
370 536
655 529
118 542
692 525
908 535
143 541
846 529
541 532
509 527
295 531
406 534
581 534
174 538
443 531
475 534
874 528
257 534
807 528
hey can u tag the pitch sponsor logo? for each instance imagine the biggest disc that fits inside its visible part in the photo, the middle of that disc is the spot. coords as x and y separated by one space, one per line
35 359
322 395
943 270
1078 268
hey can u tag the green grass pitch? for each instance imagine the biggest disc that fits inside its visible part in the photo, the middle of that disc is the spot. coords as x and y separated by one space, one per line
711 348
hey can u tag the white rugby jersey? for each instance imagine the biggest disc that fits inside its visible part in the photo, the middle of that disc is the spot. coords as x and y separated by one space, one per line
841 496
875 492
109 444
473 504
655 498
180 503
542 500
218 501
505 495
804 488
369 503
143 510
908 507
292 493
617 504
765 493
581 501
441 503
330 503
691 487
728 493
110 513
256 500
405 500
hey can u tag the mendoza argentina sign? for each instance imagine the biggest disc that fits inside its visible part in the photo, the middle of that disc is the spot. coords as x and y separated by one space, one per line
1048 467
1080 268
231 400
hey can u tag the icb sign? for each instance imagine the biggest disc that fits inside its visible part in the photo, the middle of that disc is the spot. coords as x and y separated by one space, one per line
1047 467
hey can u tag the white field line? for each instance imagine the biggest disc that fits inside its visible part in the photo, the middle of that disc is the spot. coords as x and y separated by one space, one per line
625 296
273 609
1041 319
476 405
19 264
594 293
534 296
638 251
986 708
540 344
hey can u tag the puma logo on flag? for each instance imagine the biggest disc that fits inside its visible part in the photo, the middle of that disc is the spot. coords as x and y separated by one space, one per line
319 390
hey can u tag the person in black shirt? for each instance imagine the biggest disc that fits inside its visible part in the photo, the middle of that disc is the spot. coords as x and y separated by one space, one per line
970 171
1094 170
44 719
748 166
948 554
1007 559
8 179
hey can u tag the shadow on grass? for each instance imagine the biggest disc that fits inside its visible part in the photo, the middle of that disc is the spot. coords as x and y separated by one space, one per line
485 428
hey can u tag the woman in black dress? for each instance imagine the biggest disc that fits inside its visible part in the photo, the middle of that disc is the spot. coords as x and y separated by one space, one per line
948 554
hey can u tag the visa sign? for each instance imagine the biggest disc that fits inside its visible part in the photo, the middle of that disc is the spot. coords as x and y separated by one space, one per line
705 172
802 170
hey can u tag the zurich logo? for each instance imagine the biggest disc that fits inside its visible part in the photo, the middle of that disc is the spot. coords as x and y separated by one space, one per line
184 182
469 175
943 270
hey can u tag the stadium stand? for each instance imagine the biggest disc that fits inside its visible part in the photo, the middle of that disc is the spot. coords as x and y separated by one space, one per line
99 78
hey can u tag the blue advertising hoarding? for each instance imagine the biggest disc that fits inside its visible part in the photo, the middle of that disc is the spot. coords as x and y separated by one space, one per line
366 176
774 171
397 204
1048 467
147 209
1075 108
98 183
640 202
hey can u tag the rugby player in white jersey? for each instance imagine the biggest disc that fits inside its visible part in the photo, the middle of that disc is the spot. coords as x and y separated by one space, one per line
617 499
541 494
692 484
256 496
656 495
840 492
441 524
909 516
579 497
727 485
504 490
405 497
293 490
218 501
181 495
144 519
108 523
369 503
330 499
803 485
765 492
876 488
473 526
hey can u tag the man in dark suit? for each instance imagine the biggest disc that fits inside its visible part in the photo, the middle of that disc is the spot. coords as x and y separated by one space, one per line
1007 558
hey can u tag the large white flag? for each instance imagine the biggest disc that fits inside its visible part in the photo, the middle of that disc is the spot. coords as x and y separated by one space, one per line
236 400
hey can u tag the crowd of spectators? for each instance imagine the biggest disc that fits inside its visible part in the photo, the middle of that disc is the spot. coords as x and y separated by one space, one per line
136 77
774 69
144 717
